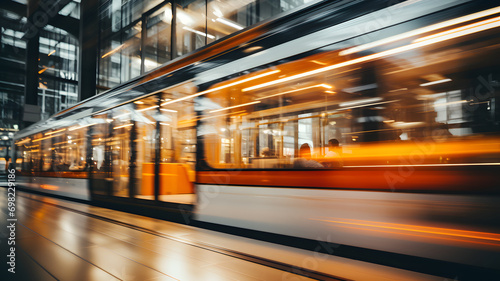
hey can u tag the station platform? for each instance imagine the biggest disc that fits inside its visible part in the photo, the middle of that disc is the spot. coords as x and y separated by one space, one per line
64 240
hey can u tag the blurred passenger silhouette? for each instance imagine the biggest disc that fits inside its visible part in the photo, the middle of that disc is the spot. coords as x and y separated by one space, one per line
333 156
305 158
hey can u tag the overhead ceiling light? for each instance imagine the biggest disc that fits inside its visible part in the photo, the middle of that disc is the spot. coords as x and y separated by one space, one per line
123 126
252 49
435 82
168 110
54 132
229 23
199 32
235 106
326 86
148 108
358 102
397 90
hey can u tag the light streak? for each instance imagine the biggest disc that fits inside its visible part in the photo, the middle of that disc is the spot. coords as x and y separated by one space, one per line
229 23
222 87
421 31
54 132
435 82
382 54
113 51
421 229
123 126
235 106
326 86
199 32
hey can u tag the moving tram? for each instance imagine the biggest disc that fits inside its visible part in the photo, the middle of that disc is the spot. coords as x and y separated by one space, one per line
410 91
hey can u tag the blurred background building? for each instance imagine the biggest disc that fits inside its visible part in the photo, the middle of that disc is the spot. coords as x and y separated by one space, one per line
55 53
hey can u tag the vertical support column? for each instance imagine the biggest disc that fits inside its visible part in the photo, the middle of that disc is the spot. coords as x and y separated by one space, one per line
31 90
144 35
108 159
89 165
133 160
206 22
158 136
296 137
89 30
173 32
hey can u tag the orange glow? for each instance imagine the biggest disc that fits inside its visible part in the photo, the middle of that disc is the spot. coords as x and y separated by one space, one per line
463 29
23 141
49 187
420 229
44 138
418 235
113 51
55 132
418 152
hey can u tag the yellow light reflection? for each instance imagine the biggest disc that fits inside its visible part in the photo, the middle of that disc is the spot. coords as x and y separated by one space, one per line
420 229
122 126
54 132
421 31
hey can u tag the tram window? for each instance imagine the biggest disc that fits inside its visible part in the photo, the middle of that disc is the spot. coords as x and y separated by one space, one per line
178 133
145 117
99 141
36 153
76 149
46 154
58 156
23 155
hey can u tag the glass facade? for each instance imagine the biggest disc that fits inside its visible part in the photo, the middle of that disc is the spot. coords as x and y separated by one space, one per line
58 66
13 51
138 36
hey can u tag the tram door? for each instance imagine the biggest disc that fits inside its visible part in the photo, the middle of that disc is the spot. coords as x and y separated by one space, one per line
121 150
100 178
